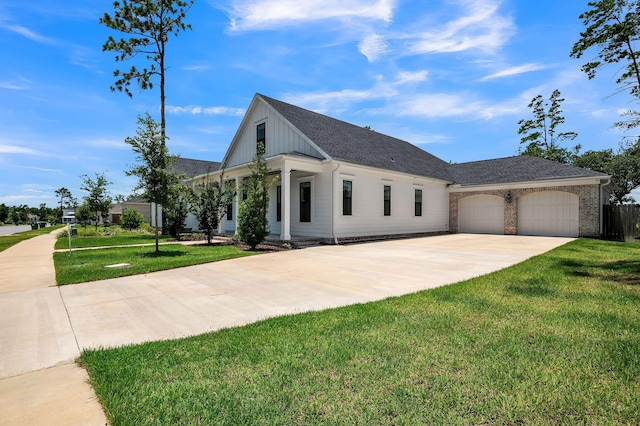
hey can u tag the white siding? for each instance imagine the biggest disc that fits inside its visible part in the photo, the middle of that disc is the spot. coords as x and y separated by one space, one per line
320 225
368 218
280 137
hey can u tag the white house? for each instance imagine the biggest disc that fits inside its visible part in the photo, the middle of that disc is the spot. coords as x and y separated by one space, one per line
336 181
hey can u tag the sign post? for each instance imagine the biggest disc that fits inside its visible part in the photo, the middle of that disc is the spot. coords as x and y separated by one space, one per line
72 231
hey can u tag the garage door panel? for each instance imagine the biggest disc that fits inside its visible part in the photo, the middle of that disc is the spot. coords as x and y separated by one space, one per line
481 214
549 213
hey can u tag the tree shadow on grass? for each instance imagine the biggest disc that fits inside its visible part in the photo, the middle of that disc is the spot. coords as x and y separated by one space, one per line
626 272
164 253
533 287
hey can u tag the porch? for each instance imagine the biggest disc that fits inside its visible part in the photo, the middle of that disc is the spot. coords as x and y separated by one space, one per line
300 200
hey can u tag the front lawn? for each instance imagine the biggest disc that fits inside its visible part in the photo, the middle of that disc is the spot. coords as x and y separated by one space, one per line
89 265
108 236
553 340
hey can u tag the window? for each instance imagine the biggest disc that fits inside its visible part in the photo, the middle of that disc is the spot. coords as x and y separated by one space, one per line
387 200
346 197
305 201
261 141
230 211
278 203
418 198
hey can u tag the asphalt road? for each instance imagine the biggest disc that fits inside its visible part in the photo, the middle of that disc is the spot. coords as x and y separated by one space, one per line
12 229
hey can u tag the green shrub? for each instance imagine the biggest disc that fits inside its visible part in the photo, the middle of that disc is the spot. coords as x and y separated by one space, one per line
146 228
131 219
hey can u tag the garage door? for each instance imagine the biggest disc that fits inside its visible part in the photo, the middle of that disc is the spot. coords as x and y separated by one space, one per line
550 213
481 214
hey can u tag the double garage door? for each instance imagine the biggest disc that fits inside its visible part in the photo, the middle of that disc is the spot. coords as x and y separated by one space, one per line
549 213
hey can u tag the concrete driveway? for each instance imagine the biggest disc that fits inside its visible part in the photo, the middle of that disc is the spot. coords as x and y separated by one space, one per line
49 326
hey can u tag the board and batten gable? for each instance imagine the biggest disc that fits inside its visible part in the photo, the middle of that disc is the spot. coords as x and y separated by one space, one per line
367 216
280 136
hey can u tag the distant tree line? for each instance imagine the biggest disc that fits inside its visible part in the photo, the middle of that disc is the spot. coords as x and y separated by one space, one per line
20 214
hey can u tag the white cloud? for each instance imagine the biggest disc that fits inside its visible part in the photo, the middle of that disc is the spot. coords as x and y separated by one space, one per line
26 32
15 149
41 169
200 110
405 77
247 15
108 143
196 67
439 105
400 99
520 69
481 28
373 47
324 102
20 83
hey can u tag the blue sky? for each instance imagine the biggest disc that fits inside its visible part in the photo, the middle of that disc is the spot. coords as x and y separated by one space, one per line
451 76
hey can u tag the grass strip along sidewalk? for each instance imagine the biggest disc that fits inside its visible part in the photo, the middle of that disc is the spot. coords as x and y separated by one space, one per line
90 265
553 340
114 236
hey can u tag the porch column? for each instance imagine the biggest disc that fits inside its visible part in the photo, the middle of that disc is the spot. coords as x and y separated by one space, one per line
285 181
237 202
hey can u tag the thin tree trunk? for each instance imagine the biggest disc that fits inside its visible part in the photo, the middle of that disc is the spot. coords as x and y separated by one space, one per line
156 214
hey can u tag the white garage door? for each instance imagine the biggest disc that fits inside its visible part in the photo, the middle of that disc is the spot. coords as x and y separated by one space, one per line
550 213
481 214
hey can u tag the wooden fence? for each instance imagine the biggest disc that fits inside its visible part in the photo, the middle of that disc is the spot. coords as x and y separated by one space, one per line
619 222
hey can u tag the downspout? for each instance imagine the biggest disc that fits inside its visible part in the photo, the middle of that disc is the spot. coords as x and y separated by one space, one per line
333 212
602 185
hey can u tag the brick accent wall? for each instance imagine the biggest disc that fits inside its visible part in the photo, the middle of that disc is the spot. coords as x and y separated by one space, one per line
588 207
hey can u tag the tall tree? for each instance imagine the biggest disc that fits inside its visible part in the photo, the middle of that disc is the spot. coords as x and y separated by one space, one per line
149 23
541 137
613 26
98 199
154 165
209 203
63 193
252 223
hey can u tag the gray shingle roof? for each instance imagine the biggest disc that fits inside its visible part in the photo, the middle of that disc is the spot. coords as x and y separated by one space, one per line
354 144
521 168
192 168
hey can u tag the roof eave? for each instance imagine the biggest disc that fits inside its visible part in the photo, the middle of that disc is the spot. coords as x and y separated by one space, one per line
538 183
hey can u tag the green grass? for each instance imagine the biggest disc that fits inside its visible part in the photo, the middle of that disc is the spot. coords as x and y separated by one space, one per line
554 340
10 240
89 265
105 237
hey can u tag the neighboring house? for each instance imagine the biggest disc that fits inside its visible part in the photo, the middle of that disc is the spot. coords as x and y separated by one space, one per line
68 216
181 166
136 203
337 181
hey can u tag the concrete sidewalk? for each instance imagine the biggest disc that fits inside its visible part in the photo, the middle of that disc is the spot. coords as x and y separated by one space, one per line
36 334
47 327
